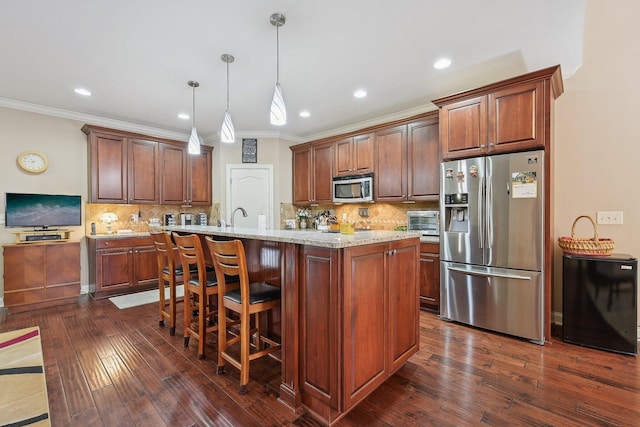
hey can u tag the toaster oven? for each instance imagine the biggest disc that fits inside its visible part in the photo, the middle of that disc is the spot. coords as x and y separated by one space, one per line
426 222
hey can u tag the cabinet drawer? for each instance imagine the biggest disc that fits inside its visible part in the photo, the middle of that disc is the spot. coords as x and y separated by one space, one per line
430 248
125 242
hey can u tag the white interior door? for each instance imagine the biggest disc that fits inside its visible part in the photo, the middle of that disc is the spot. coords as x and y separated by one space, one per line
250 187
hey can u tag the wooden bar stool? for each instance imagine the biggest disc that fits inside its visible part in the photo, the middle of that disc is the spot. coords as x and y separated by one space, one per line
169 272
229 261
200 291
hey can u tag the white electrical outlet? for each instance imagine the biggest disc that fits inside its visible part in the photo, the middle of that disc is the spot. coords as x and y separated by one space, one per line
609 217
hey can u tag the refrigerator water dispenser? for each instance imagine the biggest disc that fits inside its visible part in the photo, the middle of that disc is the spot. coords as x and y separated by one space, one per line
456 213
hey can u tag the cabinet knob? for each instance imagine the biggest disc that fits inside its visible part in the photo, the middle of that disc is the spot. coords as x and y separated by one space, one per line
482 146
491 145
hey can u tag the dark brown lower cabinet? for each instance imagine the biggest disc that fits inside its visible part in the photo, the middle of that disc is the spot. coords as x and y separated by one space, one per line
430 276
359 321
121 265
38 275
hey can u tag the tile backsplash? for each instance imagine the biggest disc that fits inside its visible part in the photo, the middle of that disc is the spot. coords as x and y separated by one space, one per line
145 212
382 216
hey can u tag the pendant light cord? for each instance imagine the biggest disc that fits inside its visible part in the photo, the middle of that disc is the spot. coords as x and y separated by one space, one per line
277 53
227 85
194 105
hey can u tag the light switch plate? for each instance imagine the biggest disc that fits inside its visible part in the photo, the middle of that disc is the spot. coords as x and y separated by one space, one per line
609 217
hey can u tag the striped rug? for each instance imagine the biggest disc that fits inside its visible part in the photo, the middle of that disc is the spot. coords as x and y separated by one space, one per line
23 388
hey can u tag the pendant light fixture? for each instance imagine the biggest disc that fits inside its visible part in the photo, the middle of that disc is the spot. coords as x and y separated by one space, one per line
227 133
278 109
194 140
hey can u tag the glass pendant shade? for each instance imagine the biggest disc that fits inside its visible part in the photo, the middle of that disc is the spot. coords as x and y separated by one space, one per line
278 109
227 133
194 142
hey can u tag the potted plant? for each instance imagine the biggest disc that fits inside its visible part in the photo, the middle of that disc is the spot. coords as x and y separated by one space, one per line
303 215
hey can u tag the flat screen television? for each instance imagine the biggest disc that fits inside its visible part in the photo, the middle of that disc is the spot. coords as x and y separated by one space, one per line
42 211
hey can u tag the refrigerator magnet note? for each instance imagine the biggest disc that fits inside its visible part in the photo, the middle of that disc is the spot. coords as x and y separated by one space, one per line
524 185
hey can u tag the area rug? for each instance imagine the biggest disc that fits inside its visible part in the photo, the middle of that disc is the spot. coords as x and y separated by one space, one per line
142 298
23 387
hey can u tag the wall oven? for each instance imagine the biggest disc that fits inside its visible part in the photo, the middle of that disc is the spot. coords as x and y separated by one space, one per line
353 189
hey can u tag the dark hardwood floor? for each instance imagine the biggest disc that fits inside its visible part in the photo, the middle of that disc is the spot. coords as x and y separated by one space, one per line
111 367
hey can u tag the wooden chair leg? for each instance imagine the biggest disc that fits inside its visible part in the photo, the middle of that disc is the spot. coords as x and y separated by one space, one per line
222 336
245 346
188 313
161 303
202 324
172 308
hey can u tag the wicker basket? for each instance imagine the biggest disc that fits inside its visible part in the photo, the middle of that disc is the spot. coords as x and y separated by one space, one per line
593 246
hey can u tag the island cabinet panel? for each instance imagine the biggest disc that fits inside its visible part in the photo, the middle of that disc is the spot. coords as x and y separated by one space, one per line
403 275
366 339
319 330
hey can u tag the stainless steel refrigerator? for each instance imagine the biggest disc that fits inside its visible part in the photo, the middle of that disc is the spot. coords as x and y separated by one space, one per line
492 243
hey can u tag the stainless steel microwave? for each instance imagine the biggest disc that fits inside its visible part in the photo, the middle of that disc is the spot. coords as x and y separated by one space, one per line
353 189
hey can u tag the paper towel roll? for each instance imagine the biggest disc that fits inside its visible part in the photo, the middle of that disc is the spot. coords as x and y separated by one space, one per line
262 222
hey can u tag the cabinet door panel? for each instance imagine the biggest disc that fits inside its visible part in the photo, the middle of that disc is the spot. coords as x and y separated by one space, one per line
23 267
516 117
200 180
430 281
365 339
173 170
143 172
423 160
63 264
363 153
403 299
114 268
463 128
343 157
108 168
145 265
302 178
391 168
322 173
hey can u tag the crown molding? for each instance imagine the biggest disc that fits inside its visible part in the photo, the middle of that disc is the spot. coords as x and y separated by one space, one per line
399 115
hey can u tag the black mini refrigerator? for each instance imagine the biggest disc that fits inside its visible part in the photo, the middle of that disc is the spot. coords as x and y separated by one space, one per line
599 302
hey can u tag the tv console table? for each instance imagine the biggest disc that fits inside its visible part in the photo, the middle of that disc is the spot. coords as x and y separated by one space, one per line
39 236
41 274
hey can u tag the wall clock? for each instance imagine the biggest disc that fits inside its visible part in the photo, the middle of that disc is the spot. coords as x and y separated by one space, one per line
33 161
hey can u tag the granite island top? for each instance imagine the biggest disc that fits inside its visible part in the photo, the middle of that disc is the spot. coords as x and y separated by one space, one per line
301 237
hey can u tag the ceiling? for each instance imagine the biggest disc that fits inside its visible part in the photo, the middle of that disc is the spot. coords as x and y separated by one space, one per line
137 56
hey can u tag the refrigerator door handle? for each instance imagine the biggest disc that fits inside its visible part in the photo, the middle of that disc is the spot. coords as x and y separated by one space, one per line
481 214
487 274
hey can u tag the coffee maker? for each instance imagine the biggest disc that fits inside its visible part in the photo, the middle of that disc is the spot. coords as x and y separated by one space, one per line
169 219
186 219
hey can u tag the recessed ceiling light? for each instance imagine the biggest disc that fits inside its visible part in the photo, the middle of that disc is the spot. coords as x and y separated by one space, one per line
360 93
81 91
304 113
442 63
183 116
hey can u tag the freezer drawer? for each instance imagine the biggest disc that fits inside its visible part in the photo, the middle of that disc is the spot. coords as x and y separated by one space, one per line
498 299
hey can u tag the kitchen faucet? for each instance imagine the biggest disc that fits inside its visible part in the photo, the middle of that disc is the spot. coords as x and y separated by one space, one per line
244 214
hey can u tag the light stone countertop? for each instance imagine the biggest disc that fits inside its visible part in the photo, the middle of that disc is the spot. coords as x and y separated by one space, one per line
301 237
117 235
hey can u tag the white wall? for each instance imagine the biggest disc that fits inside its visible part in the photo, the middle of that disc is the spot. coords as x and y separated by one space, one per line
597 150
65 146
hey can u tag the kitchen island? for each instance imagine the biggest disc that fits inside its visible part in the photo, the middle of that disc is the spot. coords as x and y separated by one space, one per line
349 315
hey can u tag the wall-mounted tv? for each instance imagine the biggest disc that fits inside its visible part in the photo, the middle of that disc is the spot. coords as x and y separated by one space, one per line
42 211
